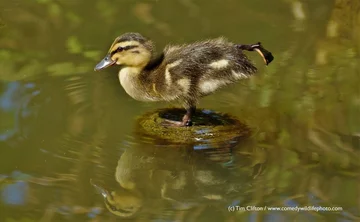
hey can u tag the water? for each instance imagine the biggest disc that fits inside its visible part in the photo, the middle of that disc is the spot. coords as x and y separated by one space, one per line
63 125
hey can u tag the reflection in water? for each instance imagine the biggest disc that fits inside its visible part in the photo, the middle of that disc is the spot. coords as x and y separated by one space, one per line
17 100
15 193
158 179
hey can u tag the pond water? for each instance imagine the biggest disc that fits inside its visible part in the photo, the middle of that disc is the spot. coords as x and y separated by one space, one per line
70 145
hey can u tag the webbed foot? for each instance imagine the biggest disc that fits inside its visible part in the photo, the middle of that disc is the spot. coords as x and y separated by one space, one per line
172 123
186 120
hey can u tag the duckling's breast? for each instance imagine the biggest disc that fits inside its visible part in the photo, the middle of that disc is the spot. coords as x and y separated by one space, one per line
130 80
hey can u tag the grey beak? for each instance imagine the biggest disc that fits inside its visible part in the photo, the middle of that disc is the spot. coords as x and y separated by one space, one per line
100 189
106 62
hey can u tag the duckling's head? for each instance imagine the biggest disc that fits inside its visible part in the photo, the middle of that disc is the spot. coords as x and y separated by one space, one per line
123 203
130 49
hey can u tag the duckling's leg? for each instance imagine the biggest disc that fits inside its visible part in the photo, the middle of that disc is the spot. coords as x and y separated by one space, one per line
186 120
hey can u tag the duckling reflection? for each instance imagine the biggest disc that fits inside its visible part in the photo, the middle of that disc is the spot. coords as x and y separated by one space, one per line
153 179
123 203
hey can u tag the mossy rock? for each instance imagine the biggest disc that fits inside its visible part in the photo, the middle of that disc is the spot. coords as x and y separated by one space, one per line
209 127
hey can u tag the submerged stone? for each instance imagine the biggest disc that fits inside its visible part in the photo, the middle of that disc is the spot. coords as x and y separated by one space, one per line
209 127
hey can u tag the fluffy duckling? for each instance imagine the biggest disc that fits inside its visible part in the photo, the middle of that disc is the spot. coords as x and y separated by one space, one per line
184 72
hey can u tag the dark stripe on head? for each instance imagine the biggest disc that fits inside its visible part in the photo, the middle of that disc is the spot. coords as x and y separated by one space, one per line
120 49
130 47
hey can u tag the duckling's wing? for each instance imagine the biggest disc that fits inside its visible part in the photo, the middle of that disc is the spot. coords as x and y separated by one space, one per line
204 67
213 59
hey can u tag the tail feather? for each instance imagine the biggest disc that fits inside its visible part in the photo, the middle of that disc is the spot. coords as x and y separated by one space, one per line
265 54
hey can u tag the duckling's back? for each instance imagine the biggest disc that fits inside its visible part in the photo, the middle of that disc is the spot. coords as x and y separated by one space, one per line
208 64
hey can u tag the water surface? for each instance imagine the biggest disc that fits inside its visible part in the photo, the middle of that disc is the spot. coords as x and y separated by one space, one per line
62 124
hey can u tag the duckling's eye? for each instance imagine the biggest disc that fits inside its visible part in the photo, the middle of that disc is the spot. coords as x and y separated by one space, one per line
119 49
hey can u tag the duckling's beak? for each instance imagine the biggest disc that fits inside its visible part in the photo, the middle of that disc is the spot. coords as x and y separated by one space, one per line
106 62
100 189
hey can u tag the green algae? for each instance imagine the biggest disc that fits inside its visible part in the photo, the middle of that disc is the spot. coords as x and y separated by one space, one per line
209 127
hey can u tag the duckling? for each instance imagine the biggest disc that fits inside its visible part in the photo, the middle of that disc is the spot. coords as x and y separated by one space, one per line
181 72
